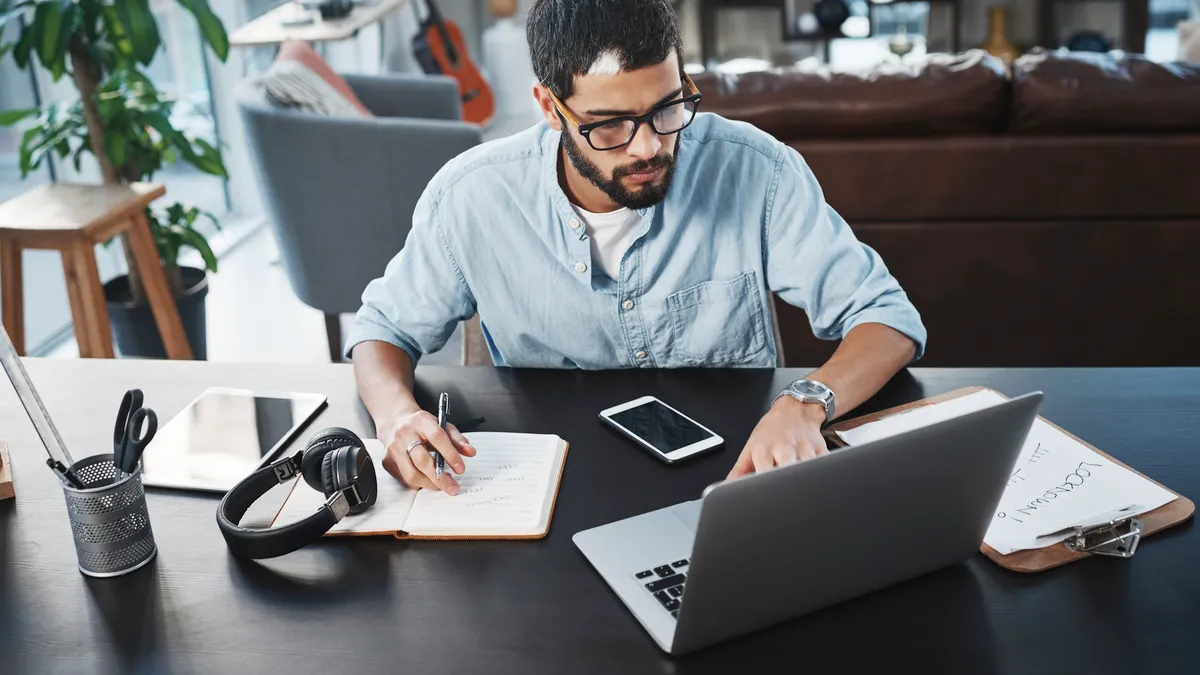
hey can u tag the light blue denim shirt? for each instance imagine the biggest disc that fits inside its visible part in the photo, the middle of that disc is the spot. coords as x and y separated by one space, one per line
494 233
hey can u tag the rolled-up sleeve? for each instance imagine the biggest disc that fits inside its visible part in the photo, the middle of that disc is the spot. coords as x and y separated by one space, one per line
815 262
421 296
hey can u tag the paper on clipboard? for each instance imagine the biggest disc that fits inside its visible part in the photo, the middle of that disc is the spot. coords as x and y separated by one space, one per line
1056 481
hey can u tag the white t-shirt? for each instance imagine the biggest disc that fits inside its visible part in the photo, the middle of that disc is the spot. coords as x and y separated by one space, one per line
611 235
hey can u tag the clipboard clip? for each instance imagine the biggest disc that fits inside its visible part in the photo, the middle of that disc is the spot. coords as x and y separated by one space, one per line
1118 537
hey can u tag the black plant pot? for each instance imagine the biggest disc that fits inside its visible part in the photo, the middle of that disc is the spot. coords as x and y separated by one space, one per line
133 326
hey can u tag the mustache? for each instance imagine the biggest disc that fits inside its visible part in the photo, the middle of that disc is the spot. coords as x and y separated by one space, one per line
643 166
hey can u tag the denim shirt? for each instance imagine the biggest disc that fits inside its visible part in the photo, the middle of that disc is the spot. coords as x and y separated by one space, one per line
494 233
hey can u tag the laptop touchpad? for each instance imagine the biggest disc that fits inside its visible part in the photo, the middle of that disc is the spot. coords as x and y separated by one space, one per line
689 513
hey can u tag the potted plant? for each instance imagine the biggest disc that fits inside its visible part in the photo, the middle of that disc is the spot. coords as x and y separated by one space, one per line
125 124
134 328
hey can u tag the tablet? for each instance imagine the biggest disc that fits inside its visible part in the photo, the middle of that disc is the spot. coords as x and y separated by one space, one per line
223 435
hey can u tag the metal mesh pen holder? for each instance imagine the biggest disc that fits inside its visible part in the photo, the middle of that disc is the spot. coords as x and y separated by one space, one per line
109 520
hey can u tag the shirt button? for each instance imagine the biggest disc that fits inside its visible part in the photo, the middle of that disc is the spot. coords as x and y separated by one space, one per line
574 224
580 267
628 304
640 354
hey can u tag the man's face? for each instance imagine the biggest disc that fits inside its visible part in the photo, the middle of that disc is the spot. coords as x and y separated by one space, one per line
637 175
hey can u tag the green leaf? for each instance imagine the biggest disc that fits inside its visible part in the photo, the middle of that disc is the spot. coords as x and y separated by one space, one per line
24 46
116 144
162 124
196 240
210 26
11 117
140 27
59 69
27 148
209 159
216 223
78 156
52 22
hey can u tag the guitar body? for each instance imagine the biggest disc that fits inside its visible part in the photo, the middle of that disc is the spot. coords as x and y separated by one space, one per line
440 49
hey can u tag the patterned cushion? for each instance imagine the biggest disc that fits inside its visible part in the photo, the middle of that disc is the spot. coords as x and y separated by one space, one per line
299 78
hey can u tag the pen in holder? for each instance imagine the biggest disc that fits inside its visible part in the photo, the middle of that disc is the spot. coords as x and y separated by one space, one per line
109 519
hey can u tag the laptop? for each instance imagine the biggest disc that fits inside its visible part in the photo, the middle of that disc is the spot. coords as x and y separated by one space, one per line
764 548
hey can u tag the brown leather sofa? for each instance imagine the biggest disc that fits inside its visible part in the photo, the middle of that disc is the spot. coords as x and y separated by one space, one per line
1047 216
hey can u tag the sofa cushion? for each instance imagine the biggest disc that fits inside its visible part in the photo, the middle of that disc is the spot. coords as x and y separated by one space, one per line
300 78
939 94
1063 92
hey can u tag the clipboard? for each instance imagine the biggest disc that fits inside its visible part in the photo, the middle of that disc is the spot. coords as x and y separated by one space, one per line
1117 537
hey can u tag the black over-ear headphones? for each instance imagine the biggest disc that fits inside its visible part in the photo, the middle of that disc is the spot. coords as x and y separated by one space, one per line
335 462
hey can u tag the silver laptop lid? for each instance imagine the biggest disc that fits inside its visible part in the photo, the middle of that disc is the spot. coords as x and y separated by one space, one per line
779 544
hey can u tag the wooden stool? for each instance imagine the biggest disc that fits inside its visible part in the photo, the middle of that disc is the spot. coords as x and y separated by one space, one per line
72 218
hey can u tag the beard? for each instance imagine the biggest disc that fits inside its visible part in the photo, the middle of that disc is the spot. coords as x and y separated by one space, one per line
645 196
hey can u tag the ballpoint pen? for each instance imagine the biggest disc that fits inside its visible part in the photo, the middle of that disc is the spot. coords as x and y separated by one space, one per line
439 463
66 473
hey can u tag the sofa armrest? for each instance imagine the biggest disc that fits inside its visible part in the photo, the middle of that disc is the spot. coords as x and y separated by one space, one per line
424 96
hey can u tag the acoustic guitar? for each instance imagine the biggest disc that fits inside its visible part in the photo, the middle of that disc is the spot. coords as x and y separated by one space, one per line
440 49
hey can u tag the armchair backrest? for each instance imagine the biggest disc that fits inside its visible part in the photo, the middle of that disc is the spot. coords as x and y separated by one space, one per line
340 191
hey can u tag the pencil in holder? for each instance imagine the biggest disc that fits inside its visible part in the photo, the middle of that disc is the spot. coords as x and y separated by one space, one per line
109 519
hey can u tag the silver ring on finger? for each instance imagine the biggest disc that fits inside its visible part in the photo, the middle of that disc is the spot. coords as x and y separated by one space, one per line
412 446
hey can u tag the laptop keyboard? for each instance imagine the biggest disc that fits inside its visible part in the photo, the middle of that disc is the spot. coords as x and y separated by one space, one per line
666 584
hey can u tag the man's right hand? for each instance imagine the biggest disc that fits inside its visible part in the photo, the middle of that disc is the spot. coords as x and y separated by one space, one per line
410 437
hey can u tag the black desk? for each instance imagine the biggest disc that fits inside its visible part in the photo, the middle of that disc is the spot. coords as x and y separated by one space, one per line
384 606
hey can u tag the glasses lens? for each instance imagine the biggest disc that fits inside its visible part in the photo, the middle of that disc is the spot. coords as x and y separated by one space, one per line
611 135
674 117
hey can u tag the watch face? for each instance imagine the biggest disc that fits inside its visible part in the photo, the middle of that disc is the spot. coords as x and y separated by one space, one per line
810 388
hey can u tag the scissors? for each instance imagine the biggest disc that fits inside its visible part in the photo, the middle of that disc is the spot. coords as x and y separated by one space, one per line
127 445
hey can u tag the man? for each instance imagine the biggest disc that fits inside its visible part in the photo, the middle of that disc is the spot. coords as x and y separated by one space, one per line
626 231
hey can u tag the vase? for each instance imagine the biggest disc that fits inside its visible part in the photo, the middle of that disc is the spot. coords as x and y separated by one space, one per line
136 332
997 43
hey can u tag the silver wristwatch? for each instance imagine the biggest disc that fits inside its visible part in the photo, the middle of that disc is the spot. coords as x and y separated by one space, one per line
810 391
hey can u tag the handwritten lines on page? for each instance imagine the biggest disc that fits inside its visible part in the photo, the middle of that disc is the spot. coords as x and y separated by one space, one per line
1056 482
506 488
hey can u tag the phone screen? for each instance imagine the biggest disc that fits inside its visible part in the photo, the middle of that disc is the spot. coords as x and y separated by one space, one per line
660 426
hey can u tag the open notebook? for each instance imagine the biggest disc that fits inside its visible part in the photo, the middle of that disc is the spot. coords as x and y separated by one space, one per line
507 492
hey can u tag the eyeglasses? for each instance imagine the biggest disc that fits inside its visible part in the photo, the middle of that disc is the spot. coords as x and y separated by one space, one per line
616 132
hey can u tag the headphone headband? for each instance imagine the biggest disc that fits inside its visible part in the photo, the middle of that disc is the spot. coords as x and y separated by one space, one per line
270 542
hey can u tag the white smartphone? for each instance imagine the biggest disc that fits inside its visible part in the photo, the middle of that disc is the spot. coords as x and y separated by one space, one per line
655 426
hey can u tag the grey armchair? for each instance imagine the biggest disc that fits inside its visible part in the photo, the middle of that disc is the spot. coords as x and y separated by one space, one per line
340 192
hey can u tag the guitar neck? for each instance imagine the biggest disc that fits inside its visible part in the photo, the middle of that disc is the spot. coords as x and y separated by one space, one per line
435 15
435 20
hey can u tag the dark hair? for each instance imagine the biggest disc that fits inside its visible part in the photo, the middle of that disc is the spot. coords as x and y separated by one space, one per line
567 36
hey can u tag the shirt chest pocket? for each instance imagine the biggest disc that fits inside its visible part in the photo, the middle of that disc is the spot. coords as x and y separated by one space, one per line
718 323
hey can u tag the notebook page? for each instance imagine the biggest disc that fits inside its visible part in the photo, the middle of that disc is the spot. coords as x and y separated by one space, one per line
387 515
1055 483
507 489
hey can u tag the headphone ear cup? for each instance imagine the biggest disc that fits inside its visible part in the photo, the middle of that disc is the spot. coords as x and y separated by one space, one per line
329 478
348 467
367 488
319 447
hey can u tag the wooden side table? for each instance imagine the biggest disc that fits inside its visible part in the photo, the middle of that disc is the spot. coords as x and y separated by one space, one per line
72 218
272 28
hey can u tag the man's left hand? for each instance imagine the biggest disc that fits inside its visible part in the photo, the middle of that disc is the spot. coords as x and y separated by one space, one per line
790 432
